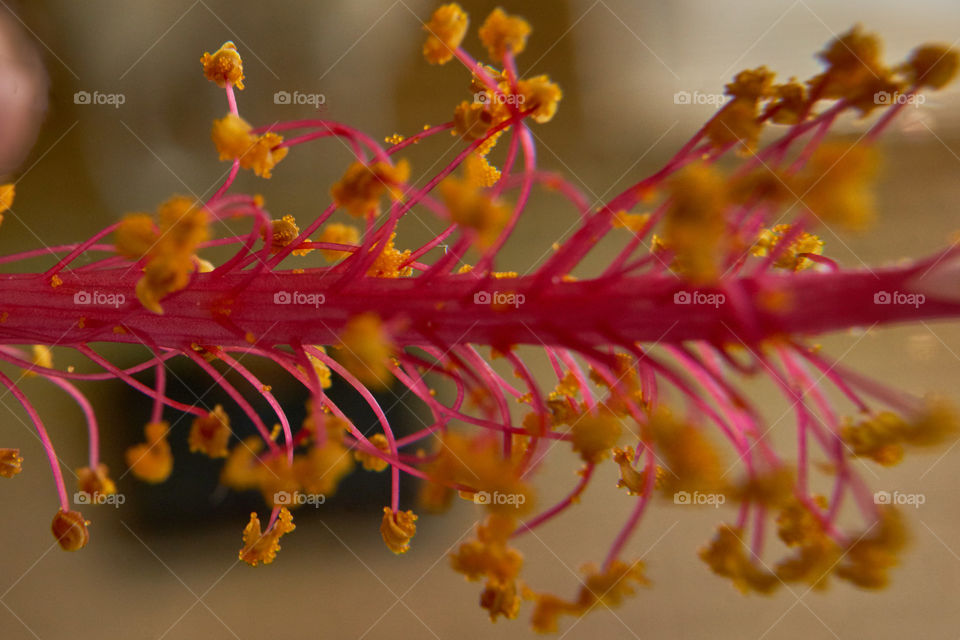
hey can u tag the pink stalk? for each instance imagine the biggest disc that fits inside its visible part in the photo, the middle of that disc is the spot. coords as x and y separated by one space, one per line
93 434
823 302
529 525
219 379
44 439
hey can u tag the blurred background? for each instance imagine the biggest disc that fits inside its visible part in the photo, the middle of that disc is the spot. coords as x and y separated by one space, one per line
164 564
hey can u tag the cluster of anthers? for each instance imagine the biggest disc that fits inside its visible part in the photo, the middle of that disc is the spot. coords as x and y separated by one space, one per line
624 343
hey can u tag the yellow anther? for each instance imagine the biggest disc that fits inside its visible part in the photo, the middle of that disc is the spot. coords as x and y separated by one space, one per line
365 349
95 482
210 434
541 95
136 235
11 462
152 461
234 140
933 65
501 33
361 187
7 192
695 224
473 209
479 172
261 547
751 84
836 184
446 29
398 529
789 258
283 232
336 233
70 530
390 262
223 66
370 461
593 435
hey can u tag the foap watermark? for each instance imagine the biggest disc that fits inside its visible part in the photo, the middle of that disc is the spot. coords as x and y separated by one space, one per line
698 297
299 297
886 497
685 97
484 97
96 98
897 297
497 498
315 100
298 499
99 298
113 499
698 498
887 98
499 298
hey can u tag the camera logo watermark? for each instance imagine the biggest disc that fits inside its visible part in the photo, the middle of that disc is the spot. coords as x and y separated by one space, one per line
298 499
315 100
698 297
896 297
685 97
497 498
99 299
499 298
114 499
887 98
913 499
698 498
97 98
483 97
298 297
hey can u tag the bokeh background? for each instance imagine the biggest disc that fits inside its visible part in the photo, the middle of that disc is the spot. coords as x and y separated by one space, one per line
164 564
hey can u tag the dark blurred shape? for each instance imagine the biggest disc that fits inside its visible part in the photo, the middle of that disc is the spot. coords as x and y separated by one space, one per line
192 495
